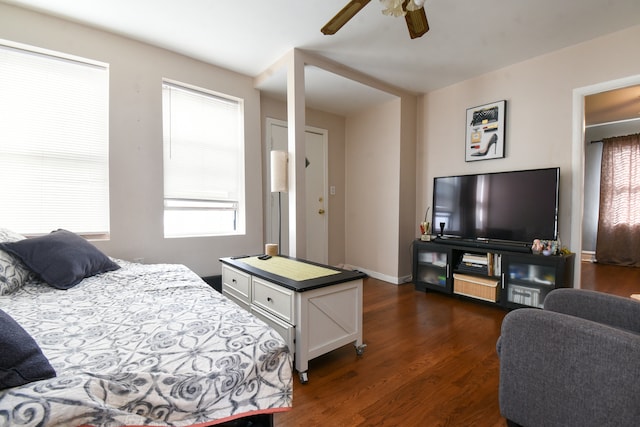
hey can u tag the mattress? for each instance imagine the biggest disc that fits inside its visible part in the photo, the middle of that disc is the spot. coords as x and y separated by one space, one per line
145 345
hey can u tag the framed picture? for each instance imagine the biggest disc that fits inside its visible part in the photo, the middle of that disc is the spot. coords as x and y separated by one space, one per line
485 132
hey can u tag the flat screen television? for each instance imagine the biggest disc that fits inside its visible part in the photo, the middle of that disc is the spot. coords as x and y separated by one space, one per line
512 207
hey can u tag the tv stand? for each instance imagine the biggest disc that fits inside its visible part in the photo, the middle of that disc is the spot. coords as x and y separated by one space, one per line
509 276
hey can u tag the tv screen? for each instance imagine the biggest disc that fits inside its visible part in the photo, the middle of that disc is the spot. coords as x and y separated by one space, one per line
517 206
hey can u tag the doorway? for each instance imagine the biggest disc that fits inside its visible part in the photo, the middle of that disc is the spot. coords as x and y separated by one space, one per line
316 202
578 160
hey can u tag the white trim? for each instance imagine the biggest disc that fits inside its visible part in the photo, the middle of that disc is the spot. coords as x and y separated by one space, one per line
588 256
615 122
52 53
384 277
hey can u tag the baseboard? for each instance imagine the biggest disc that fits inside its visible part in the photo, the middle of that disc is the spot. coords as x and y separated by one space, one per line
588 256
384 277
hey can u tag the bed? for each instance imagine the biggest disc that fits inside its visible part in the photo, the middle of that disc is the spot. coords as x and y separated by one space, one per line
134 345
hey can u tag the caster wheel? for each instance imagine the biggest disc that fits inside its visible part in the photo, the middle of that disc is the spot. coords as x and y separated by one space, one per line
304 377
360 349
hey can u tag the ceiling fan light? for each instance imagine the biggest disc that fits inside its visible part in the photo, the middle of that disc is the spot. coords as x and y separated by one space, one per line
417 23
393 7
414 5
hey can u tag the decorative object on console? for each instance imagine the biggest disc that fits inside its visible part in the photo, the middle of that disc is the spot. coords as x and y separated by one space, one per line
271 249
485 131
425 228
546 247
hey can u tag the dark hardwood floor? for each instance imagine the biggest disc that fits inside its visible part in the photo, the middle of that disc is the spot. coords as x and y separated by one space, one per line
611 279
430 360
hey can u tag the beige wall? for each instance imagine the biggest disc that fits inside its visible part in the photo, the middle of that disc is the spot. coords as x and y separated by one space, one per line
335 125
540 124
373 183
136 180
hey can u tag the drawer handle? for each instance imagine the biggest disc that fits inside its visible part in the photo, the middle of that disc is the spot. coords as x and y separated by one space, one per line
269 299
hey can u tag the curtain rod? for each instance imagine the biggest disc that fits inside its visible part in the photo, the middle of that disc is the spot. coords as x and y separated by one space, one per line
595 142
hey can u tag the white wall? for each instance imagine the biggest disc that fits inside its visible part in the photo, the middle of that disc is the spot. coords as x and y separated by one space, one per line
136 180
540 131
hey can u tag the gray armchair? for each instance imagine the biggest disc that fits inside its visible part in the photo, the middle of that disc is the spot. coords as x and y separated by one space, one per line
574 363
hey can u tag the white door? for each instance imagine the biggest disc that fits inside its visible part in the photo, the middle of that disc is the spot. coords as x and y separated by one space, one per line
316 197
315 189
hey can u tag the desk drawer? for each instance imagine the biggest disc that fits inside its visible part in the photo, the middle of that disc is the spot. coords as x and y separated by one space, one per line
237 283
286 331
274 299
233 297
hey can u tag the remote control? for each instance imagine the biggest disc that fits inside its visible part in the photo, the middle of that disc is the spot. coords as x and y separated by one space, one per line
263 257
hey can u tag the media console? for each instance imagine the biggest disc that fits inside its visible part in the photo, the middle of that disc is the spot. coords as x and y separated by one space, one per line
510 278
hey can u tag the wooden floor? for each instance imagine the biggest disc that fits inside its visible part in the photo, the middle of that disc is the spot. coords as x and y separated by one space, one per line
430 361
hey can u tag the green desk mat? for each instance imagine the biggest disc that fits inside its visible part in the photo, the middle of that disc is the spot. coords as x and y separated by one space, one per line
289 268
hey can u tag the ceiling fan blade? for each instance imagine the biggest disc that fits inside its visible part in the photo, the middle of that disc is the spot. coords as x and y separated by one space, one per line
343 16
416 21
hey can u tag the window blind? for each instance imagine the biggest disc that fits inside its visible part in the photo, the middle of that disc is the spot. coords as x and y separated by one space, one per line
54 158
203 162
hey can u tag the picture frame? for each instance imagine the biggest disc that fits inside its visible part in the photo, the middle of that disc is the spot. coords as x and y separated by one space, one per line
485 131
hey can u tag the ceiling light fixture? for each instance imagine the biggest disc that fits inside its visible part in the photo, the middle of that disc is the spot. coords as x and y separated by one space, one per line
398 8
412 10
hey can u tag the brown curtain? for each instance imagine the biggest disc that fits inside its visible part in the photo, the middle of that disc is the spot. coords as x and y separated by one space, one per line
618 238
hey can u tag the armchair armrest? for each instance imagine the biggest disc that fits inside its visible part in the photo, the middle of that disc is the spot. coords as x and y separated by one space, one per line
599 307
560 370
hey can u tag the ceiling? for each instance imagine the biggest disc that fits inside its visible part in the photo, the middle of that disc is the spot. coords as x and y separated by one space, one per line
612 106
466 38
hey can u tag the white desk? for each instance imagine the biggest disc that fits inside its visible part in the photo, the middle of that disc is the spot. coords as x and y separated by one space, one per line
314 315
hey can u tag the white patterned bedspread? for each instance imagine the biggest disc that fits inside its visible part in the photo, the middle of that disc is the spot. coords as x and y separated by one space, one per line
145 345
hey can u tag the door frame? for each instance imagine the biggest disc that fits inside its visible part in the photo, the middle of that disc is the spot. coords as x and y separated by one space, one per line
578 162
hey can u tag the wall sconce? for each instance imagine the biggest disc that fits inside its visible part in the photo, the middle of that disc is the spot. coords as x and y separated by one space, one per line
279 184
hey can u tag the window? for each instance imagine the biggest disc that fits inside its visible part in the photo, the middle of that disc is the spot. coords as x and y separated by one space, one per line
54 142
203 162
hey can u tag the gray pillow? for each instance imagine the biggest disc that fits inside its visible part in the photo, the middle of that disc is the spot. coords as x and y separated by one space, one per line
21 359
61 258
13 273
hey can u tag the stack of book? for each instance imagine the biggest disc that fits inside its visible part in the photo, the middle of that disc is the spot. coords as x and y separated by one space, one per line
474 263
488 264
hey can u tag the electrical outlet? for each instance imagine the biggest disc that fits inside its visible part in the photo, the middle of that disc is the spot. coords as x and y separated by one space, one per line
332 190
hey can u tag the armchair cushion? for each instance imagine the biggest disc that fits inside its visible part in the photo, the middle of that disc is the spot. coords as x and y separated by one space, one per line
562 370
599 307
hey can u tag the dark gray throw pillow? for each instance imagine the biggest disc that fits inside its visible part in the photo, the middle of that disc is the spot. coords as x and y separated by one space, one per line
21 359
61 258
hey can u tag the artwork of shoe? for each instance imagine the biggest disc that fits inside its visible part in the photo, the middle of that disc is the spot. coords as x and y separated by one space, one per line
493 141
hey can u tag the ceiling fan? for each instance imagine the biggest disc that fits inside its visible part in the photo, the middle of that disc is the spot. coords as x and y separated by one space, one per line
412 10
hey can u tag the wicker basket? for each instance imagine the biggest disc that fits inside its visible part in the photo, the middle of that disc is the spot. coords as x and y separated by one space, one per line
484 288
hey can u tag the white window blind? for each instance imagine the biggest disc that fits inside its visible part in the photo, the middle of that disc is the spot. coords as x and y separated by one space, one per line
54 142
203 163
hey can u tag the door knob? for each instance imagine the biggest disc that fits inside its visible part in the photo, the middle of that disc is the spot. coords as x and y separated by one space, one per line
320 211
